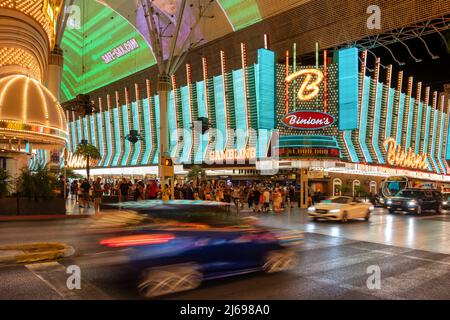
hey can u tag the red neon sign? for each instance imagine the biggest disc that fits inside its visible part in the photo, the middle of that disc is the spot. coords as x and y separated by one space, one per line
308 120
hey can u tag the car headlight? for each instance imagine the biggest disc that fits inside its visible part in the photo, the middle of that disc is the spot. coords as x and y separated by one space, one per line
334 210
444 203
312 209
389 202
412 203
371 208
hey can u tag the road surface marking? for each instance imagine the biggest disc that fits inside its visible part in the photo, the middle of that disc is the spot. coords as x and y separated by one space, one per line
54 275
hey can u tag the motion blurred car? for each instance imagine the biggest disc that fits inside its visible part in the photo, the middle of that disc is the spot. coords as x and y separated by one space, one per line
340 208
415 200
175 245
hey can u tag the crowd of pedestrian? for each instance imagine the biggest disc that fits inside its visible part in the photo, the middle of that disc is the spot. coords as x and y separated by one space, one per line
257 196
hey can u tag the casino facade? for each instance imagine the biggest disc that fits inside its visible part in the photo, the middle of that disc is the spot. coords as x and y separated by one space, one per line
334 123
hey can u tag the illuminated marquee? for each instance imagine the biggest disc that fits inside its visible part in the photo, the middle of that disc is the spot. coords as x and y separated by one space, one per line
120 51
309 88
308 120
308 152
398 157
233 154
77 162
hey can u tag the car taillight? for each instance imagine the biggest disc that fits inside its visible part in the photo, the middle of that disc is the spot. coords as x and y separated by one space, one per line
137 240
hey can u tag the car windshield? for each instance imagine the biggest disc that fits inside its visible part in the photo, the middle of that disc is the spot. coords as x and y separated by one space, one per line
341 200
409 193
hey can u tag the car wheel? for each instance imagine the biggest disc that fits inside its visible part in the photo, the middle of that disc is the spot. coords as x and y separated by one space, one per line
419 210
156 282
439 209
279 260
367 217
345 216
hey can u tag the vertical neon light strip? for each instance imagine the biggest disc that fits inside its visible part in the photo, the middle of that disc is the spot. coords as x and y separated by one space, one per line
206 89
385 134
395 116
432 133
244 78
426 134
148 122
363 120
68 128
445 141
80 131
101 132
135 120
225 99
438 150
406 136
191 110
417 119
157 121
126 121
175 108
423 126
286 84
375 119
361 101
325 81
117 131
74 132
266 41
110 128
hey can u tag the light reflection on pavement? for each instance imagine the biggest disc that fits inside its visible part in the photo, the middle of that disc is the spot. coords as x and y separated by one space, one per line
426 232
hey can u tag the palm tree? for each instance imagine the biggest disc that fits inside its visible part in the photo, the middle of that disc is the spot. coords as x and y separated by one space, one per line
88 151
196 173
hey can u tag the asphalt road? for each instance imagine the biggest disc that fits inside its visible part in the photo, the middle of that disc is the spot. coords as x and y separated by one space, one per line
333 263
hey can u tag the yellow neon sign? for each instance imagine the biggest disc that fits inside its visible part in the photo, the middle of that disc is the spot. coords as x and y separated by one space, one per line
396 156
309 88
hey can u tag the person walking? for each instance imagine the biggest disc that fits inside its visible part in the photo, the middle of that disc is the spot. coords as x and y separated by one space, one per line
266 200
291 198
166 193
85 188
256 200
123 190
74 190
98 193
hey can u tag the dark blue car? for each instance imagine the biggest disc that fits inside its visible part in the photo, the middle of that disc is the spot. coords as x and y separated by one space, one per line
175 245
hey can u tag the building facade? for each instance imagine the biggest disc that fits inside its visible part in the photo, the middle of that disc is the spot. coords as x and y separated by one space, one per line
273 119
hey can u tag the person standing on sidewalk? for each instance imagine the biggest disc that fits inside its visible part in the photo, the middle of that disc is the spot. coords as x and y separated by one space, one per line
85 188
98 193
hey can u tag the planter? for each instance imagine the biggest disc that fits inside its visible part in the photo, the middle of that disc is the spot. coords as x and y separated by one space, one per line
8 207
51 206
26 206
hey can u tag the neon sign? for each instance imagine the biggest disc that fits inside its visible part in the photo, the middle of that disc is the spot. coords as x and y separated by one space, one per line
120 51
308 120
309 88
76 162
396 156
233 154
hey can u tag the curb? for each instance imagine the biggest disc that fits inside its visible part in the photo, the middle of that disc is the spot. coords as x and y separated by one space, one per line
34 252
42 217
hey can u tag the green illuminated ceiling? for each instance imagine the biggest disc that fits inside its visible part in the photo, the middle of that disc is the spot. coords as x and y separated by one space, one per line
104 30
102 34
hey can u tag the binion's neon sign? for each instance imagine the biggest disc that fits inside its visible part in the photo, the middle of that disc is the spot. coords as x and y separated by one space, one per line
396 156
309 88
